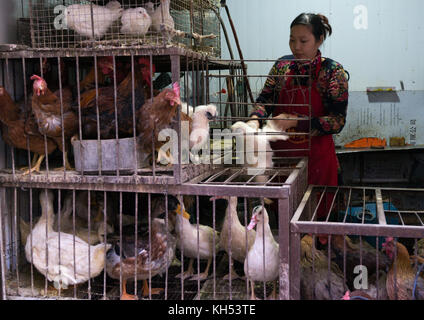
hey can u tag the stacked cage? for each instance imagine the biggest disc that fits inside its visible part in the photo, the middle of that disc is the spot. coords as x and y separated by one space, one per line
98 200
116 199
358 243
76 24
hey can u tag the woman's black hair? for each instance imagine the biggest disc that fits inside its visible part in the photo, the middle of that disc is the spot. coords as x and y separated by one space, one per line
317 22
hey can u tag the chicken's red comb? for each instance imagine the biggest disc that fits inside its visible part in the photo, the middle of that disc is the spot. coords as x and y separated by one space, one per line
176 87
346 296
35 77
146 62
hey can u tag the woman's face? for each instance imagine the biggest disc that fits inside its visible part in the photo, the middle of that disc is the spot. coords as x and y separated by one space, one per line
303 43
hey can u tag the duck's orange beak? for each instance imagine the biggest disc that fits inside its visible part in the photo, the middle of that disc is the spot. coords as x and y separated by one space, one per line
185 214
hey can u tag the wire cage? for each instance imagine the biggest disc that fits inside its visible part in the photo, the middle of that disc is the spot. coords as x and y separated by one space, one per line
102 111
278 185
112 148
358 243
126 223
67 24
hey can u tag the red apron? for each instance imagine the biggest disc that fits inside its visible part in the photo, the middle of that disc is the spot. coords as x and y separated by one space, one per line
323 163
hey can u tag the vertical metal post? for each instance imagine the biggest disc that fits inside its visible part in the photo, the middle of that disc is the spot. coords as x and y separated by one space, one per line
295 261
2 253
284 240
175 69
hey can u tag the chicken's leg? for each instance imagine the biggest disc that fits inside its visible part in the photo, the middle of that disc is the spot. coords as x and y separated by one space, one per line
189 271
37 166
125 295
34 159
203 275
68 166
33 162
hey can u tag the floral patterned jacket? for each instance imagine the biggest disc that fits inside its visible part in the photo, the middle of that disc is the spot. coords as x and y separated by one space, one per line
332 85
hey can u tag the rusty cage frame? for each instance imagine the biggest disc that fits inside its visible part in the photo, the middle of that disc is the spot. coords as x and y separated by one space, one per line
196 180
398 214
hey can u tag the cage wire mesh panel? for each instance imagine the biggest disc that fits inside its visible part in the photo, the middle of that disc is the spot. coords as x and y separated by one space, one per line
358 243
96 103
235 91
108 229
108 95
269 192
86 24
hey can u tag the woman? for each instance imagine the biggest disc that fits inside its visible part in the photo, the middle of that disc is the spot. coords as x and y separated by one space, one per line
328 96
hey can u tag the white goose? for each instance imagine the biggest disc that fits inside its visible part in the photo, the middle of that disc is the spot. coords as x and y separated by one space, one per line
255 270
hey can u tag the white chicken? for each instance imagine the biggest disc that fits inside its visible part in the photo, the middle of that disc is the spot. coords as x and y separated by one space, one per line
62 258
199 135
187 109
135 21
257 145
150 8
78 18
162 20
113 5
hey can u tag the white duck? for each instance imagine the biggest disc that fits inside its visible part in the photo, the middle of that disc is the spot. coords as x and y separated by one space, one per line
238 236
254 263
62 273
187 236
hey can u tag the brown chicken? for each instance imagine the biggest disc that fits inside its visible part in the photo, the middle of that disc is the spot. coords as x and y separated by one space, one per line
106 103
155 116
104 73
51 76
353 252
401 278
15 132
315 282
46 108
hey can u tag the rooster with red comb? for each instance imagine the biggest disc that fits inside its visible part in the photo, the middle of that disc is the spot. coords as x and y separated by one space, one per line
53 116
106 103
156 115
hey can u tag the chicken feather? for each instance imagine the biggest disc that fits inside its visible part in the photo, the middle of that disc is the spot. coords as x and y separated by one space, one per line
135 21
78 18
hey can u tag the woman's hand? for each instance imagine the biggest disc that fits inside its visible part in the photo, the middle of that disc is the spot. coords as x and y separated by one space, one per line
285 121
253 123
